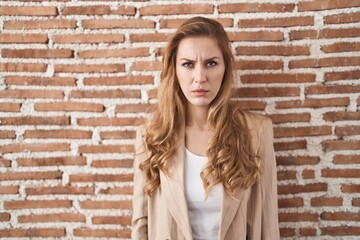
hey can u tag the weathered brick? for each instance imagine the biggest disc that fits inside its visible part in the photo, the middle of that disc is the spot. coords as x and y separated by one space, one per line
324 33
23 38
326 201
331 145
105 94
290 145
55 217
65 134
89 38
342 18
176 9
341 116
334 76
328 89
258 64
267 92
69 106
350 188
273 50
102 233
341 47
5 162
119 220
131 108
28 10
40 24
51 161
40 81
112 163
297 160
14 176
307 232
286 175
276 22
90 68
291 202
325 62
287 232
34 121
150 37
256 36
125 80
126 204
294 189
101 178
340 216
340 231
86 10
117 190
68 190
117 135
298 217
317 5
117 23
340 173
9 190
146 66
32 232
290 117
277 78
105 148
31 204
347 130
22 67
314 103
114 53
19 93
34 147
255 7
302 131
308 173
4 217
10 107
175 23
346 159
37 53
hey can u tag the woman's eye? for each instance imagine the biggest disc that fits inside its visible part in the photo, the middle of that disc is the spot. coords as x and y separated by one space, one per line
187 64
211 64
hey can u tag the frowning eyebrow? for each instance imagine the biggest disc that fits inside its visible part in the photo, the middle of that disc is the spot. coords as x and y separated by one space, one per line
212 58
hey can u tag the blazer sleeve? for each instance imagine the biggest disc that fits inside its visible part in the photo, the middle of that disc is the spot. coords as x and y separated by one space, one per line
268 185
139 220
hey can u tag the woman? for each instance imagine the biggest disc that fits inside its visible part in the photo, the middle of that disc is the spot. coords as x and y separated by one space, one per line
203 168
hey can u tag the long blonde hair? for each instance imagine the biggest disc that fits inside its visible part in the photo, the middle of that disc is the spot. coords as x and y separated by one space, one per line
232 160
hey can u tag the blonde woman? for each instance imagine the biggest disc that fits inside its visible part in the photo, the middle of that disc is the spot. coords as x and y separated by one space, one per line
204 169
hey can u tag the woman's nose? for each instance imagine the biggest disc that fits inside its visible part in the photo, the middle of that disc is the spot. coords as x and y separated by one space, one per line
199 75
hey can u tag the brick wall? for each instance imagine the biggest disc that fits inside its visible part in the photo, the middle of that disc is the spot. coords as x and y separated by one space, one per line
76 77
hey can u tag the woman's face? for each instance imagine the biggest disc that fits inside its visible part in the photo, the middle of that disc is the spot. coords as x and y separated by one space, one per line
200 69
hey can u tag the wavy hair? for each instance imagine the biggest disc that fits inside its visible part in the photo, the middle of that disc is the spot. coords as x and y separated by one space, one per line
231 158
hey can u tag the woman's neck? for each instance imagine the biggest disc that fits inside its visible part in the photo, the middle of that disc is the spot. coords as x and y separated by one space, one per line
196 117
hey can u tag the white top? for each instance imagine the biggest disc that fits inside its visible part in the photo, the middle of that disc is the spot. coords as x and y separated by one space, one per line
204 214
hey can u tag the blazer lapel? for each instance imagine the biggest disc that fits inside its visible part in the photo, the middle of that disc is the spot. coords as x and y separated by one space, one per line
173 189
229 209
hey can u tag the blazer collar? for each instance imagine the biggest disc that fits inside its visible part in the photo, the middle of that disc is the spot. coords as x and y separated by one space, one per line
172 187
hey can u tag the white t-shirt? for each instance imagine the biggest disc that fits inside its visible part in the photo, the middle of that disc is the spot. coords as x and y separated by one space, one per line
204 214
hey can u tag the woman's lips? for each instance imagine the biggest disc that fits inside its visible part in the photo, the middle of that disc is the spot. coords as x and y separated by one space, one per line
200 92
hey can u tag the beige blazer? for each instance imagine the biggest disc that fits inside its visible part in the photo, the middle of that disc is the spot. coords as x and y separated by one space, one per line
164 215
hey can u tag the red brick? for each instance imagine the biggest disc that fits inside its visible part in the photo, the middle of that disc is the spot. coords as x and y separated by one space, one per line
9 190
18 121
347 130
100 178
55 217
256 36
15 176
346 159
274 50
117 135
342 18
105 94
51 161
173 9
340 231
291 202
23 38
254 7
7 134
40 81
327 89
132 108
68 190
324 33
40 24
10 107
340 173
290 117
65 134
340 216
356 202
287 232
318 5
325 62
69 107
298 217
86 10
124 10
302 131
22 67
117 23
102 233
314 103
90 68
346 75
5 162
175 23
126 80
4 217
341 47
326 201
276 22
28 10
32 204
332 145
258 64
115 53
294 189
117 190
105 204
307 232
106 148
251 104
89 38
308 173
350 188
146 66
110 121
32 232
37 53
290 145
150 37
267 92
297 160
34 147
124 163
341 116
19 93
118 220
286 175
